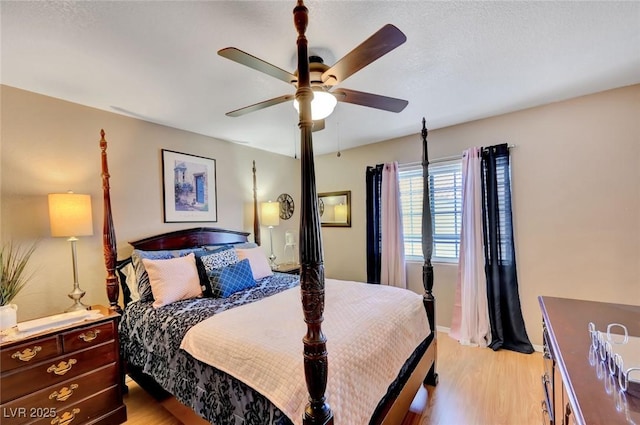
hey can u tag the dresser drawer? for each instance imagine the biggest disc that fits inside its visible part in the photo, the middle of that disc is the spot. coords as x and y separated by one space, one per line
88 336
54 371
86 409
28 353
58 397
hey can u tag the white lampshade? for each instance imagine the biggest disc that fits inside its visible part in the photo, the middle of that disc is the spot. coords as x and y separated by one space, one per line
270 213
322 104
70 214
340 212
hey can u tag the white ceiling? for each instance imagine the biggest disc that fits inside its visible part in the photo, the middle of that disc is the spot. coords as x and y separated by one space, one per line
462 60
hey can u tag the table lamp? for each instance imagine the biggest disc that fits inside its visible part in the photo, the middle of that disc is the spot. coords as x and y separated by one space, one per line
70 216
271 218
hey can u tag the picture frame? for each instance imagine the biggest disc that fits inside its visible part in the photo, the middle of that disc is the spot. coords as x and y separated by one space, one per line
335 208
189 188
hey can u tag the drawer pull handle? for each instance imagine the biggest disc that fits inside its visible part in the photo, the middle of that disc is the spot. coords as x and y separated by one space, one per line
62 368
27 354
89 336
567 413
64 393
65 418
546 417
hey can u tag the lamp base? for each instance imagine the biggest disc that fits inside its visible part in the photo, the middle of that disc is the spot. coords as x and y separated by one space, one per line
272 262
272 257
76 295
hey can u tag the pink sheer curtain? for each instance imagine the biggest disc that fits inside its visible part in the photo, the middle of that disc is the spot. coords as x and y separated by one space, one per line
393 266
470 323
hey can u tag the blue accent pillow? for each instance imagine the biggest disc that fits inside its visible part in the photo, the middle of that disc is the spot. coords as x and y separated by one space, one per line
231 279
208 260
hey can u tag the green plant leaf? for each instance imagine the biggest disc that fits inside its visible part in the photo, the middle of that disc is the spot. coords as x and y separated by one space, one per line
13 263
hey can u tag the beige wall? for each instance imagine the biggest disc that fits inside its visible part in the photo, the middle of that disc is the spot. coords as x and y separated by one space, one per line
576 199
49 145
576 193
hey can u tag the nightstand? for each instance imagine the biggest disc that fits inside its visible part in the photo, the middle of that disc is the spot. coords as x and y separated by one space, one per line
71 373
288 268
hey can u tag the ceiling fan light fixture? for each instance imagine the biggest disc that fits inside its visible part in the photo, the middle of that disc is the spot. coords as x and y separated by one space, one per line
322 105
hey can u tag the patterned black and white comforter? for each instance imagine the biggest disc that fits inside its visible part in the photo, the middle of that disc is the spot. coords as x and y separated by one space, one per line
150 340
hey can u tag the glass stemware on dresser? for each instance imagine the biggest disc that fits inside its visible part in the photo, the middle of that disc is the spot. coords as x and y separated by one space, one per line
616 357
613 350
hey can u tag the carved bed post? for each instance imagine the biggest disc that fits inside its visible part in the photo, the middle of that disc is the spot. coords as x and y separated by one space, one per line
317 411
427 250
256 220
108 233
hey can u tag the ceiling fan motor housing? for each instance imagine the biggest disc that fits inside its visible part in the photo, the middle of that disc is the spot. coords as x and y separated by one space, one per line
317 67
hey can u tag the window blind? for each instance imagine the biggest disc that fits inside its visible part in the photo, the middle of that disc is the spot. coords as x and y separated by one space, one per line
445 190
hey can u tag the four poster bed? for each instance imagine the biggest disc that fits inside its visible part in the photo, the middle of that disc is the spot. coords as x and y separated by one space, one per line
210 351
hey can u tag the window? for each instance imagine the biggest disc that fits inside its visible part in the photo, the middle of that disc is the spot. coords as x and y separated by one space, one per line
445 190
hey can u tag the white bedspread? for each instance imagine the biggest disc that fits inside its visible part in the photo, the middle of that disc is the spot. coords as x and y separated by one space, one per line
371 331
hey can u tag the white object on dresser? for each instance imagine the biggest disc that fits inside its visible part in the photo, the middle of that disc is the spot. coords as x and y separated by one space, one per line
31 327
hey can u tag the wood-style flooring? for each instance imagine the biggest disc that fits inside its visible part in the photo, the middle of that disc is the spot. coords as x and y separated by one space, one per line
477 387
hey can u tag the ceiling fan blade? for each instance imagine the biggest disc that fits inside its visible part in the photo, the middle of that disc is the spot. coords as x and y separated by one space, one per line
260 105
371 100
318 125
382 42
251 61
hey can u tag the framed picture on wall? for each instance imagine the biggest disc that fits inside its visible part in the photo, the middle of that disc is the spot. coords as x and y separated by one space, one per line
189 188
335 209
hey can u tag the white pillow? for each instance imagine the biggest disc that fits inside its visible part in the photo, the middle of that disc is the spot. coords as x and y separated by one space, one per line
173 279
257 260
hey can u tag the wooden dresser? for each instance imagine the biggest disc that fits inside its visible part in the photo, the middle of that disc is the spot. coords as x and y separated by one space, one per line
573 391
68 376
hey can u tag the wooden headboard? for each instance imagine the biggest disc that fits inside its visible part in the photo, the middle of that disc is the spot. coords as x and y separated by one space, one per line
190 238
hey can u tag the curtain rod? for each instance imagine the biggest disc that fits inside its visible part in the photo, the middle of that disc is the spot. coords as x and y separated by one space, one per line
443 159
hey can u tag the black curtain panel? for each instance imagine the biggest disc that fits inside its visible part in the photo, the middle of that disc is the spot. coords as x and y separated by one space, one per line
374 227
505 314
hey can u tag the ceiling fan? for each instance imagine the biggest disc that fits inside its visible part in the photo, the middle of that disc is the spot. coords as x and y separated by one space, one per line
324 78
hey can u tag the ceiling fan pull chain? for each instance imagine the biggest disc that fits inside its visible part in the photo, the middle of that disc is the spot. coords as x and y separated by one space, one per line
338 130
